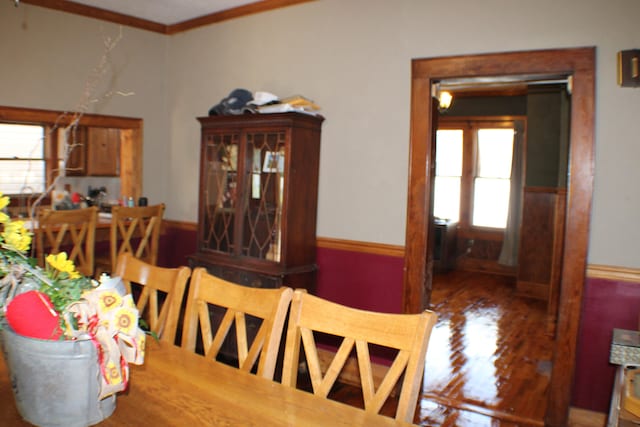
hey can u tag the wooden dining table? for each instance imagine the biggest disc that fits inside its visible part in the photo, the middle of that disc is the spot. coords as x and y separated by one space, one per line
103 226
176 387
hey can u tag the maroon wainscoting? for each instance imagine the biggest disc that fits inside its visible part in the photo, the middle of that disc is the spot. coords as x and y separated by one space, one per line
361 280
607 304
177 243
356 279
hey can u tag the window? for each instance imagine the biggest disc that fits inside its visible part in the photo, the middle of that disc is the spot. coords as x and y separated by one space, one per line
473 171
32 145
22 157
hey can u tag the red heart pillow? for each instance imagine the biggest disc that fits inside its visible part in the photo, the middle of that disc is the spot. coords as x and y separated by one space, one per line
31 314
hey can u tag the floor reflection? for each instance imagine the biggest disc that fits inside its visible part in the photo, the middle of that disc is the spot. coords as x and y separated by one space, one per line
480 334
483 366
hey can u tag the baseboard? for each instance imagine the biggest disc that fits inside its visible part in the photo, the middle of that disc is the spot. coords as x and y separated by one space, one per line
584 418
465 263
362 247
180 225
620 274
532 290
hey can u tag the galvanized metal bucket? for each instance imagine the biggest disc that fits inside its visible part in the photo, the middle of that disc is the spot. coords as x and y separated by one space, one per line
55 383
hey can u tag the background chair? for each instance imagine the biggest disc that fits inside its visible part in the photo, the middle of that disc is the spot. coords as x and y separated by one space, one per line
158 292
407 333
71 231
239 303
134 230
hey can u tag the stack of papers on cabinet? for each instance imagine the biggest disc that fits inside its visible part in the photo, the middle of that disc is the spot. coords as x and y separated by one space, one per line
296 103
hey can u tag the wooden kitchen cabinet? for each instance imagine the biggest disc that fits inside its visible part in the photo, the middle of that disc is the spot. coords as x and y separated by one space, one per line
258 194
77 160
96 153
103 152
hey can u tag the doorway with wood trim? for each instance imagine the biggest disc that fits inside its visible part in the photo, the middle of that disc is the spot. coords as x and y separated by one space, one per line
579 65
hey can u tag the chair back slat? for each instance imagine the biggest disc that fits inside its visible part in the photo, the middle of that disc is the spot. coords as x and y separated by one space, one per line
268 306
71 231
136 230
158 292
407 335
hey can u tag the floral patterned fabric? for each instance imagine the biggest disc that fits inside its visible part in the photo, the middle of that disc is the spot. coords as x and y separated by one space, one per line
110 320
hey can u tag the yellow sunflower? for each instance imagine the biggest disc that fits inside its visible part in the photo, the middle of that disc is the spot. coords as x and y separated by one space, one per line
125 320
4 202
109 300
16 236
112 373
62 264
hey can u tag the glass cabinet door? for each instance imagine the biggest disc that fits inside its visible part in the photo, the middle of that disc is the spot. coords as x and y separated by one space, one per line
220 192
243 192
262 227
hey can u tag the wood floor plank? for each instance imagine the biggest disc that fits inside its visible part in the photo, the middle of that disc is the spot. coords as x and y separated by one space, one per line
489 355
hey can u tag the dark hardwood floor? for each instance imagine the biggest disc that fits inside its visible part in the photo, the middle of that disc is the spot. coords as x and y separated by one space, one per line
489 356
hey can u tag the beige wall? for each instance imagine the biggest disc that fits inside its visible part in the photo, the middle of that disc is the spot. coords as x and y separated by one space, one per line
353 58
47 59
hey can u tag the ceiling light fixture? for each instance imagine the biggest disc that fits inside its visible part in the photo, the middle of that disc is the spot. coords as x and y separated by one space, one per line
444 97
444 100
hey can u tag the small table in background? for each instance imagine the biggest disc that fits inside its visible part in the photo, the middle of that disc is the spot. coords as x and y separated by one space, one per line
625 352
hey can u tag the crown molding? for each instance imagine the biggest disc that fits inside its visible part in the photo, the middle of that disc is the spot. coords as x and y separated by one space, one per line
143 24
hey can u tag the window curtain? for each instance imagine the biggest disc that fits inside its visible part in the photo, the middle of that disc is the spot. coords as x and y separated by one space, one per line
509 252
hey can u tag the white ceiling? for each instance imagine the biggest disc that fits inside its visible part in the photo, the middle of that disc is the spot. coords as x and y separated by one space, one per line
166 12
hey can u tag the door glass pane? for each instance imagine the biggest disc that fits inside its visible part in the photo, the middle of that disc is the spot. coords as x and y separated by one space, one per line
446 200
220 198
491 202
449 152
263 216
495 149
492 181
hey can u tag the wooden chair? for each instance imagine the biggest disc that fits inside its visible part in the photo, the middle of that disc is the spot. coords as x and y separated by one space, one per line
71 231
133 230
407 333
159 291
241 305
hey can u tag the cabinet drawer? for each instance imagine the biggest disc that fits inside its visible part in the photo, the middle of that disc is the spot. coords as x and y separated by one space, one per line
243 277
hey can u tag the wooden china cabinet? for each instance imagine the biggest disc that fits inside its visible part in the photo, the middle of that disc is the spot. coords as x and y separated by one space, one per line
258 199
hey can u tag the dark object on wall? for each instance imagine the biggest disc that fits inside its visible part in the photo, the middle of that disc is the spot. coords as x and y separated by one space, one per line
629 68
232 104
